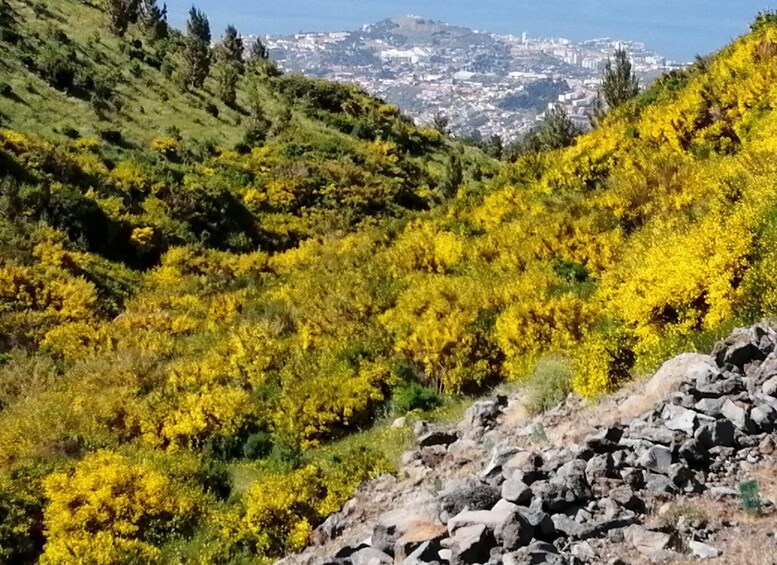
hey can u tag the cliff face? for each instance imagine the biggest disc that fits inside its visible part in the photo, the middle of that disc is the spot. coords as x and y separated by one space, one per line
677 468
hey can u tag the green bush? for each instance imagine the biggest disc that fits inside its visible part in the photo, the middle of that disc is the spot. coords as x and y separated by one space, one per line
414 396
258 446
549 384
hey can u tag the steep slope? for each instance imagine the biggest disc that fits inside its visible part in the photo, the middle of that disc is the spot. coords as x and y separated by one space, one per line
184 330
658 473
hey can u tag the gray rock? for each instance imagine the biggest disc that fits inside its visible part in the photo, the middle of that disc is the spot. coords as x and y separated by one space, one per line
652 433
434 438
370 556
540 521
703 550
693 453
657 459
660 483
409 457
514 533
736 414
647 542
764 417
680 419
720 388
719 433
329 530
420 543
633 477
744 346
769 388
420 428
400 422
433 455
710 407
572 476
481 416
426 552
524 461
581 531
627 498
491 519
460 496
537 552
599 467
391 526
669 377
516 491
499 457
471 544
583 551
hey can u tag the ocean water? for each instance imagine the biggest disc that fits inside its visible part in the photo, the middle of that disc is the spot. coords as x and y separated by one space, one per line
678 29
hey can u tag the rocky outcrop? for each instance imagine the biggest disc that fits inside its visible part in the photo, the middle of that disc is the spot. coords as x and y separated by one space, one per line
564 504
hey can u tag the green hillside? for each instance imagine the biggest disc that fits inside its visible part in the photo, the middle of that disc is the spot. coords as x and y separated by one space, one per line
204 319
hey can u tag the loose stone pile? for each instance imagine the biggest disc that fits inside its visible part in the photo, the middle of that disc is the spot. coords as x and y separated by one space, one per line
560 505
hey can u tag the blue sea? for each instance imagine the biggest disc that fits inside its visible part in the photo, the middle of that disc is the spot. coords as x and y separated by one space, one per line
678 29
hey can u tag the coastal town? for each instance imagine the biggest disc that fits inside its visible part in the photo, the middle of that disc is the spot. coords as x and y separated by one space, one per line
484 84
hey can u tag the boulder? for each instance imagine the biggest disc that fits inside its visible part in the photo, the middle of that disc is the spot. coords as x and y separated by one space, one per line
514 533
583 551
491 519
471 544
710 407
647 542
716 434
540 521
680 419
669 377
468 495
572 476
393 525
535 552
769 388
516 491
703 550
693 453
329 530
370 556
400 422
737 415
657 459
425 537
599 467
499 457
764 417
744 346
433 455
480 416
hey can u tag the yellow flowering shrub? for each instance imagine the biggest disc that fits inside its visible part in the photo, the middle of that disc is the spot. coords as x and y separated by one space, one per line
108 509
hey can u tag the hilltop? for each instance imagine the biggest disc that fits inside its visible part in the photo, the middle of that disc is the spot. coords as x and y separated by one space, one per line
202 346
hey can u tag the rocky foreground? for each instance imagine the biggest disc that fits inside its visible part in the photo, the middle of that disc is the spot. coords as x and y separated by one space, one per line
660 486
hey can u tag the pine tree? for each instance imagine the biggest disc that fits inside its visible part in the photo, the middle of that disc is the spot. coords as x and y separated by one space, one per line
198 26
557 130
196 53
153 19
259 52
227 75
454 176
441 123
619 84
231 46
121 13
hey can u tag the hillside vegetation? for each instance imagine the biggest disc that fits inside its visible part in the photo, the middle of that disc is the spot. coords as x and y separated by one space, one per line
180 301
